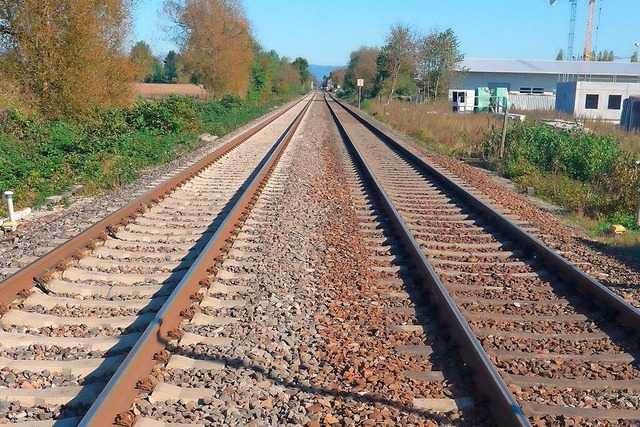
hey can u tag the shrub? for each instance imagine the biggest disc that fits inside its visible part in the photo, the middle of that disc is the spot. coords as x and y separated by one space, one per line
231 101
175 113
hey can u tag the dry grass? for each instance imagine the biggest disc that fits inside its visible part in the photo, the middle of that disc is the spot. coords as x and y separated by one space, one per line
159 90
437 126
11 98
461 134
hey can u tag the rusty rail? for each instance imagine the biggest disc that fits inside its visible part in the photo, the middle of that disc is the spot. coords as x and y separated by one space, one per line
626 313
39 269
119 394
502 404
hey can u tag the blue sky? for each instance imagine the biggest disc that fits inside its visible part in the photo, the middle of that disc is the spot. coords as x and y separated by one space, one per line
326 32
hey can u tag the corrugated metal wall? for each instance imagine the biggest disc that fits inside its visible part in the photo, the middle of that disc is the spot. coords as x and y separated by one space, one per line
532 102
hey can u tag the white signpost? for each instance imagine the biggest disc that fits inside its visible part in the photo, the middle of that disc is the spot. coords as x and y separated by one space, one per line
360 84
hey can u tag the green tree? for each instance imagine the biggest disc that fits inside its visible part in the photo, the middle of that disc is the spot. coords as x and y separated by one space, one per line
171 67
396 57
144 63
634 57
262 74
560 55
611 57
303 69
439 57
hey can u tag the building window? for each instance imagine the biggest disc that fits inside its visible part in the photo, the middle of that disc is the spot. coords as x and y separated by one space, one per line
614 102
525 90
538 90
591 103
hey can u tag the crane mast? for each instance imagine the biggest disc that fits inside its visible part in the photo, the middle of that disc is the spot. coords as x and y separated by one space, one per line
587 38
572 28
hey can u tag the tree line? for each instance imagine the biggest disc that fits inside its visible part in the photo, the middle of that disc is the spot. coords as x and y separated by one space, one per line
65 57
408 64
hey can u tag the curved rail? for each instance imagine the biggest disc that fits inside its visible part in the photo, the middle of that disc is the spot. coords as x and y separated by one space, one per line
502 403
118 395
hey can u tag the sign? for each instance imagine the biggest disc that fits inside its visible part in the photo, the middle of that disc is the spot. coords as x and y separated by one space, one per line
360 82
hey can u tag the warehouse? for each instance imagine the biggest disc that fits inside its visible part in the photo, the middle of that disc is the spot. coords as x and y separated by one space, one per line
533 84
539 77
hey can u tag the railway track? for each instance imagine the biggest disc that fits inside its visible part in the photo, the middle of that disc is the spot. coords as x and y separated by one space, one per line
547 344
81 325
292 292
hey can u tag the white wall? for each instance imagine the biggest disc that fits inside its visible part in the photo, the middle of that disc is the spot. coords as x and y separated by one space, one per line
603 91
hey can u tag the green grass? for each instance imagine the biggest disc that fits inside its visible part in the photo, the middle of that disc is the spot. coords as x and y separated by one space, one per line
44 158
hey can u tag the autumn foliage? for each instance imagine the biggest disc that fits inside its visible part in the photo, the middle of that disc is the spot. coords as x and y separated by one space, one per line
217 45
65 55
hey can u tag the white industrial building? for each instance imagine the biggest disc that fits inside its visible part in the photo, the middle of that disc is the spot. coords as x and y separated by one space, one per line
532 84
596 100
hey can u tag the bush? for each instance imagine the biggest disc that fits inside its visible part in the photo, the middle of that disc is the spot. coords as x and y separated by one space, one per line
231 101
42 158
584 172
175 113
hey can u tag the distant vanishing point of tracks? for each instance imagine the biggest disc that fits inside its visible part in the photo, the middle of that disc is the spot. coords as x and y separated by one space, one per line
314 271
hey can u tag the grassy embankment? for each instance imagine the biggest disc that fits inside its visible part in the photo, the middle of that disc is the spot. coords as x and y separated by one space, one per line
592 175
42 158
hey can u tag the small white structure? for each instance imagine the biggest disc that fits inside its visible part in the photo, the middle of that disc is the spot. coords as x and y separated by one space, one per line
595 100
463 101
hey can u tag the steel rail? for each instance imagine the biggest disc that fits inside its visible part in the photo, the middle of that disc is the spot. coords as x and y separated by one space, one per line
120 392
22 280
626 313
502 404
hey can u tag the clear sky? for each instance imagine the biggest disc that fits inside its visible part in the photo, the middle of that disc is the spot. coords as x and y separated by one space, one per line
326 32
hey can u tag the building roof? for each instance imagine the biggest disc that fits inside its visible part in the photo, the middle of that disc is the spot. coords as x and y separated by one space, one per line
521 66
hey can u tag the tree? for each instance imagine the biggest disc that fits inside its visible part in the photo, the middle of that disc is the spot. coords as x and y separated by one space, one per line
560 55
438 62
362 65
338 77
611 57
286 78
303 69
67 54
634 57
216 41
144 63
171 67
396 57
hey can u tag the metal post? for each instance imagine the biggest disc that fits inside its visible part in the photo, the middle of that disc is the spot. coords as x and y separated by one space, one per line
359 95
504 133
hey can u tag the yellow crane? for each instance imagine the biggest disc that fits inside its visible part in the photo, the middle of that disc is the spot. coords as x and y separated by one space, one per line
572 28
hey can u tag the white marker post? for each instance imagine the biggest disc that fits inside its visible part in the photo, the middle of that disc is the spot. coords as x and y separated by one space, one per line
11 224
360 84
